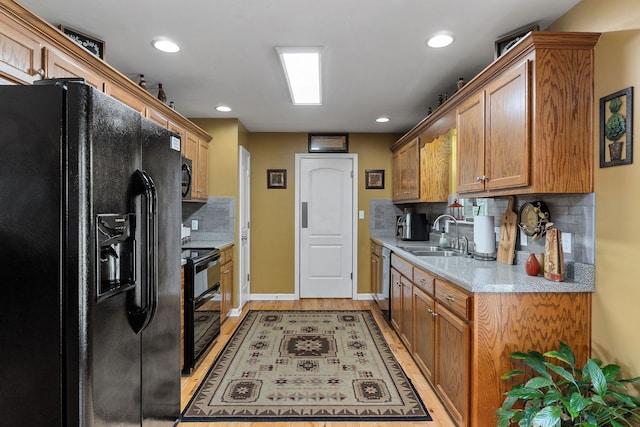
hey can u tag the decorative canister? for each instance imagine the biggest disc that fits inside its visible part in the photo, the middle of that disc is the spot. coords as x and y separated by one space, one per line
554 256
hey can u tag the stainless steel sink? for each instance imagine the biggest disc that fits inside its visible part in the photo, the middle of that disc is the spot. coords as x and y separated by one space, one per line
429 251
435 253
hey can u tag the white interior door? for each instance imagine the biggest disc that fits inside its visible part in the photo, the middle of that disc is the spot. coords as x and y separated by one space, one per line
326 226
244 227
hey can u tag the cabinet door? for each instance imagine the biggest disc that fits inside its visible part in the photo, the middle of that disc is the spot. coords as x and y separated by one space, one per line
124 96
202 187
452 372
20 54
470 128
375 274
406 326
396 300
507 135
424 332
434 169
59 65
157 117
411 170
397 185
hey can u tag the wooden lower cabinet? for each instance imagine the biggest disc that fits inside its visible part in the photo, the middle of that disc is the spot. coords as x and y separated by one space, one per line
461 340
226 282
424 330
452 363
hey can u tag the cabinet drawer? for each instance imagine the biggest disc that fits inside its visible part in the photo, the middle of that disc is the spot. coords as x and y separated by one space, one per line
423 280
376 249
453 298
404 267
226 255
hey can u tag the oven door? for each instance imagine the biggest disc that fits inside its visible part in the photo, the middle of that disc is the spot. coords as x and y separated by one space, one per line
187 178
206 320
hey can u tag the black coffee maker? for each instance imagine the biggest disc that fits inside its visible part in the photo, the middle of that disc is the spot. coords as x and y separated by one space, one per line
412 226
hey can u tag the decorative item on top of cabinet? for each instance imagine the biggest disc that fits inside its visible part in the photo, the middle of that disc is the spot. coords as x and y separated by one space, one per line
92 44
161 95
226 281
506 42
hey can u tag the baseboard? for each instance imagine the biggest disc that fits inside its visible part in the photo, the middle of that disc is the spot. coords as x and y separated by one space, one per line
272 297
364 296
235 312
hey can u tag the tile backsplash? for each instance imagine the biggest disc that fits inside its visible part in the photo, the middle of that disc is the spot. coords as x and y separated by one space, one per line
570 213
216 218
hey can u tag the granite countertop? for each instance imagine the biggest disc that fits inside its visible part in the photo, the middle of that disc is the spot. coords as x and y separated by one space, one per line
205 244
481 276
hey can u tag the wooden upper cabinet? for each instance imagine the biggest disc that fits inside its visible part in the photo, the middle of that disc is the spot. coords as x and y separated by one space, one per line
507 129
59 65
407 172
470 143
157 117
531 117
435 158
20 54
493 134
124 96
202 171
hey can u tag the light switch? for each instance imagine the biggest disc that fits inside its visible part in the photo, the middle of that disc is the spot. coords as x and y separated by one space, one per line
361 214
194 224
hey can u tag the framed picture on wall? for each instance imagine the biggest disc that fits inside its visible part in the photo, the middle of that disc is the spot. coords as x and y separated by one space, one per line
277 178
616 128
328 143
374 179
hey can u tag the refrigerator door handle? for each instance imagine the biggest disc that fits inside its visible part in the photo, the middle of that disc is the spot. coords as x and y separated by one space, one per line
141 315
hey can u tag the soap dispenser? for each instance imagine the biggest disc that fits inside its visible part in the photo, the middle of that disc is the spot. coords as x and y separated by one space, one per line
443 241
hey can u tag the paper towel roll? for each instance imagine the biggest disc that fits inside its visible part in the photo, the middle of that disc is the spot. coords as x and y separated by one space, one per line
484 235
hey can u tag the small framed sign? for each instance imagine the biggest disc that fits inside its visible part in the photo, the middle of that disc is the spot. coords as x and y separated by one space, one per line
374 179
277 178
90 43
328 143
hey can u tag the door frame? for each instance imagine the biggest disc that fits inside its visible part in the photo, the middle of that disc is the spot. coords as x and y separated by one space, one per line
244 198
299 157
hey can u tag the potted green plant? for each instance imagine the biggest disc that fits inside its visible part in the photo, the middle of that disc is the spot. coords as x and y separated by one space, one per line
614 128
559 394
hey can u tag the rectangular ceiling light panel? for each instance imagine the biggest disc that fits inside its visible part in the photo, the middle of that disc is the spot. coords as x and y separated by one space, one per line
302 67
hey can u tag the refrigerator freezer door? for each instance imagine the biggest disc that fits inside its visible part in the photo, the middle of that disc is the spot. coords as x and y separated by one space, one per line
30 256
160 340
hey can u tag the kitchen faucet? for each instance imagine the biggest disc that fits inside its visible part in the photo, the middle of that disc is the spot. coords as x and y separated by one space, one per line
457 244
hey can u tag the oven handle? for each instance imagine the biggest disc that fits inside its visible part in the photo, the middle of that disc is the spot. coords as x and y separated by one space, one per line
141 315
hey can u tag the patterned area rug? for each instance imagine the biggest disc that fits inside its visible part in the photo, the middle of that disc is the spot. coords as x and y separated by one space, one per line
307 366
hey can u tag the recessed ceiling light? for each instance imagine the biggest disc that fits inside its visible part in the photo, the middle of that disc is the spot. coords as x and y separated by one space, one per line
165 45
440 40
382 119
223 108
302 67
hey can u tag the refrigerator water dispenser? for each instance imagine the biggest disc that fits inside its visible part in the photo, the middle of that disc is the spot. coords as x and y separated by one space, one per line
115 253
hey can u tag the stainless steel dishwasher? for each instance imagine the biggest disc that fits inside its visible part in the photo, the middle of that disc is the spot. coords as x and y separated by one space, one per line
383 297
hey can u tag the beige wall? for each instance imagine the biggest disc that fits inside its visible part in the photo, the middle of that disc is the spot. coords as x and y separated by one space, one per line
272 210
616 312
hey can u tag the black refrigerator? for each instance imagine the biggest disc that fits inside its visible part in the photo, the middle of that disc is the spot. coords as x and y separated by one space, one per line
90 217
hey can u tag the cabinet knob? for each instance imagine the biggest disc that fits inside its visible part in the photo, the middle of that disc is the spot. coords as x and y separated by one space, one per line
40 72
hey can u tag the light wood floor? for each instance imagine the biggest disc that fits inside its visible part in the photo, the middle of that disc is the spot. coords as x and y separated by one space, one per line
437 411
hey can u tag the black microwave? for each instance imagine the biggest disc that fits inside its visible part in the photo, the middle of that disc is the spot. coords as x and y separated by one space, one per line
187 178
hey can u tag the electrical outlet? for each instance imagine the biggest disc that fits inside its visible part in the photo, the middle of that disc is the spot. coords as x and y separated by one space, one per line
566 243
194 224
523 238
